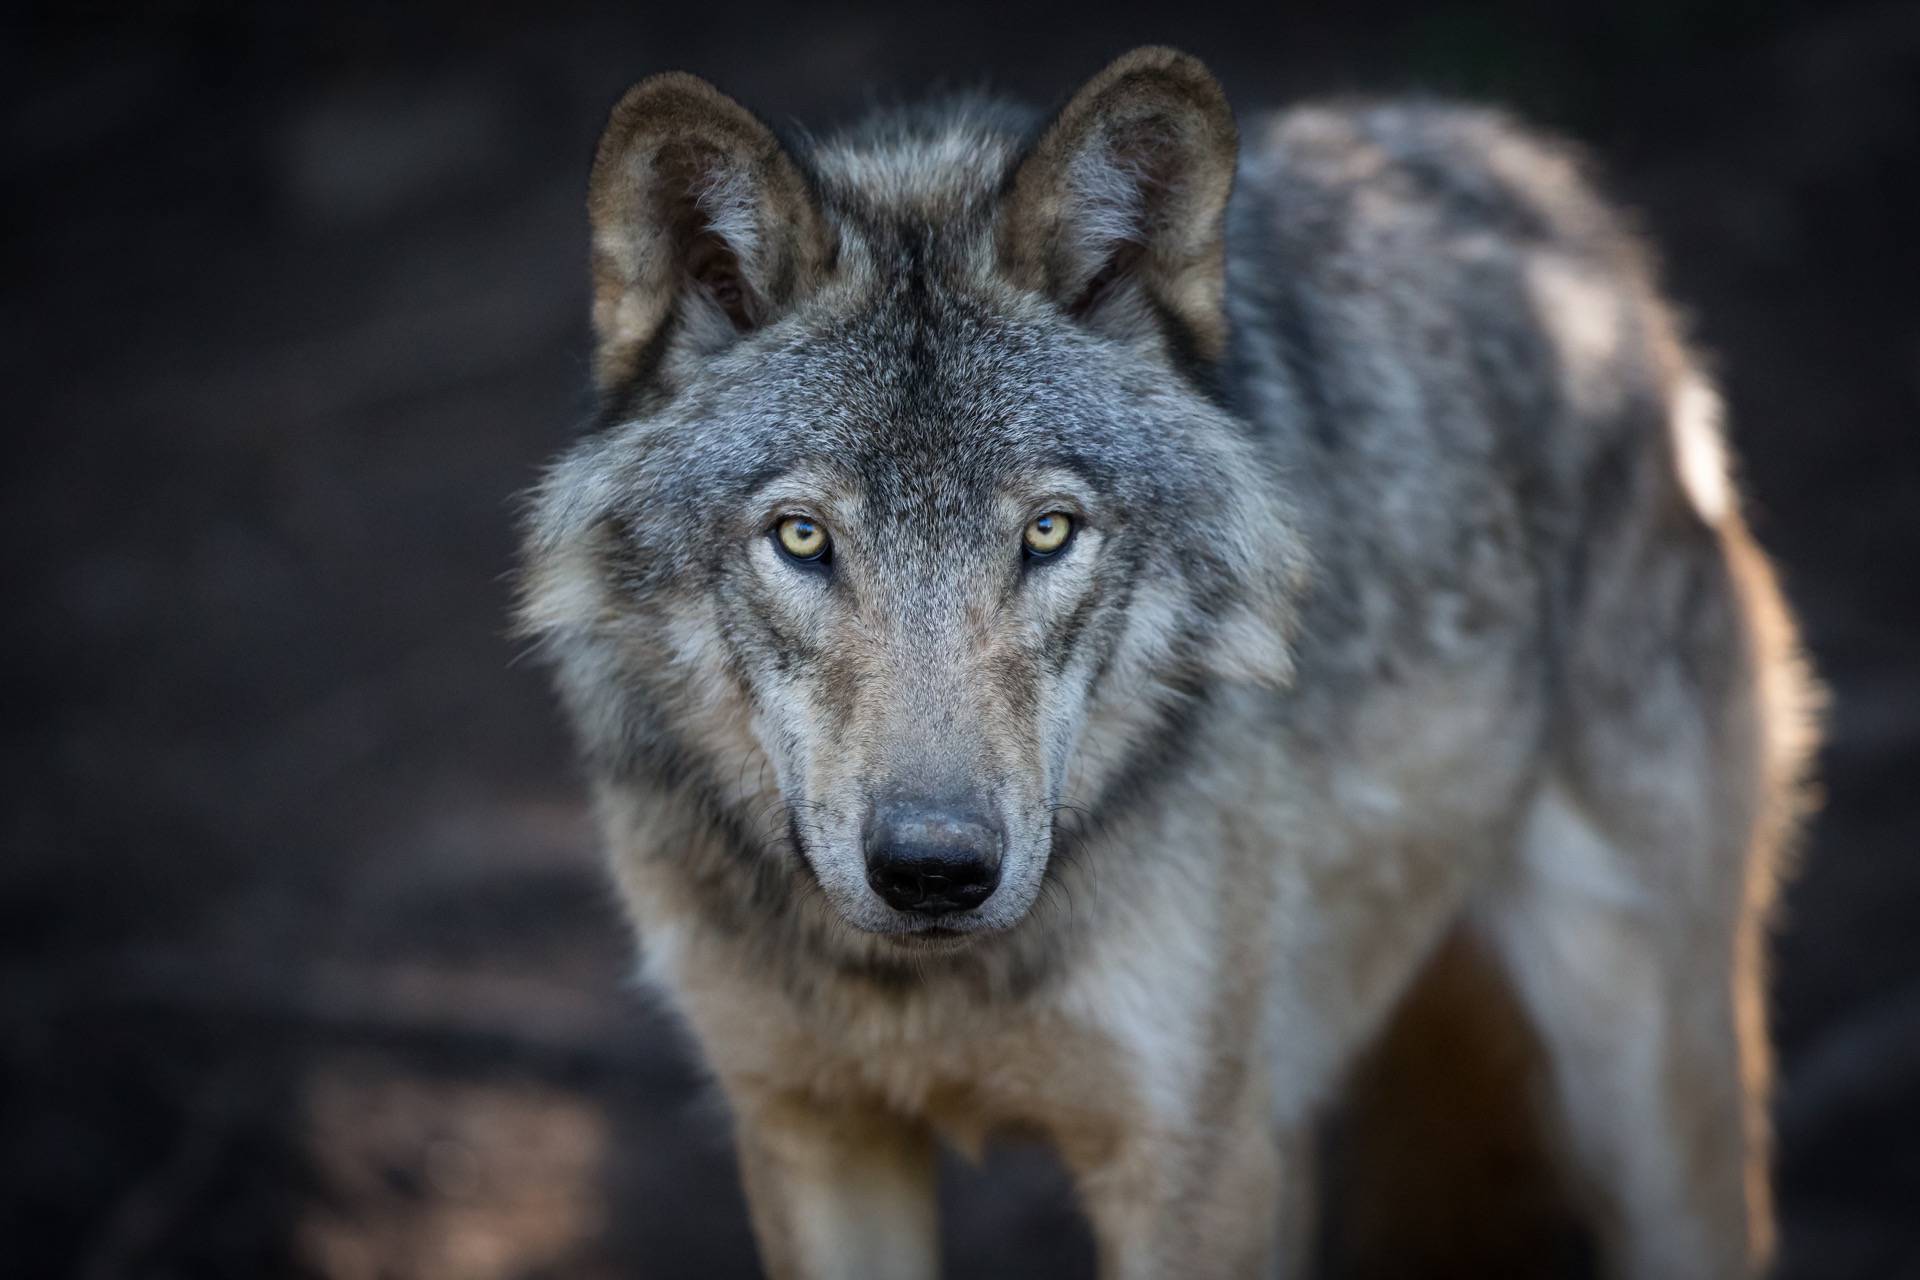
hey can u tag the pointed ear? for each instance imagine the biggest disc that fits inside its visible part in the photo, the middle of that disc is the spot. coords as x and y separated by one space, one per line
1117 212
703 226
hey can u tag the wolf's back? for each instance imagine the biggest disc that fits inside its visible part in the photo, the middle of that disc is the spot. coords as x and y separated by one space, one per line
1458 354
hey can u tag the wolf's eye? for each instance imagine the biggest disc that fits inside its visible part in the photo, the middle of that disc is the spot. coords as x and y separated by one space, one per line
802 539
1047 534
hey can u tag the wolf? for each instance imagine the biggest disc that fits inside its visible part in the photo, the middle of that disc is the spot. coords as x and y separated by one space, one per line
1065 617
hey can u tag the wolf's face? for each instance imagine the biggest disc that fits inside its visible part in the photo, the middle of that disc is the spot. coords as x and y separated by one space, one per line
916 530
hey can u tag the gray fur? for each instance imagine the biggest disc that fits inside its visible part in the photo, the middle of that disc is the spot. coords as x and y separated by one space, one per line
1345 605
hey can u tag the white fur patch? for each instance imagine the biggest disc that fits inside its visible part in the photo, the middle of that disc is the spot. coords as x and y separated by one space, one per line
1564 848
1150 998
1700 451
1583 313
728 201
561 592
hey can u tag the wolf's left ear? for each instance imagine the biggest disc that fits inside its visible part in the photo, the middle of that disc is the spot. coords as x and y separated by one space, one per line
703 226
1118 210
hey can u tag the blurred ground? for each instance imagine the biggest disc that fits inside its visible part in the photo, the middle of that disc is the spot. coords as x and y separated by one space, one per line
305 967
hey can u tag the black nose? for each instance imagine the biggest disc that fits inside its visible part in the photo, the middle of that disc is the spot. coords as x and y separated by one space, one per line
934 861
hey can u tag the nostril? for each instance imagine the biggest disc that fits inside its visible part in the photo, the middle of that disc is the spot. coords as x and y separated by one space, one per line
909 887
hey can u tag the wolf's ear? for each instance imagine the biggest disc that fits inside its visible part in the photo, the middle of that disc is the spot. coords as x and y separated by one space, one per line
701 221
1118 210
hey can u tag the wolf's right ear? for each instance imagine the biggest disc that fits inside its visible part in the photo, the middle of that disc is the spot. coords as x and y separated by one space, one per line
702 224
1118 211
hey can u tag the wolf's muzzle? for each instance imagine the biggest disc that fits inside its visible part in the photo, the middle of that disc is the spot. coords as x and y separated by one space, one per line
933 861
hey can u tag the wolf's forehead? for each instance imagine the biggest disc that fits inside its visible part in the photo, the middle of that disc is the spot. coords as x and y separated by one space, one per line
912 466
924 397
914 426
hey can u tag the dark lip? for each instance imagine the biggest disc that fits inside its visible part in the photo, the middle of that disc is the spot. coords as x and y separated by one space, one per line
938 938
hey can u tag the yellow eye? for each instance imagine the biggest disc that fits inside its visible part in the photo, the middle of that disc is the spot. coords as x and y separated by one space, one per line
1048 533
801 538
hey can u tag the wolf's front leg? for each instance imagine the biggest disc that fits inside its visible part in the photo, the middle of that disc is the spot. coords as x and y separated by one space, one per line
1222 1199
838 1194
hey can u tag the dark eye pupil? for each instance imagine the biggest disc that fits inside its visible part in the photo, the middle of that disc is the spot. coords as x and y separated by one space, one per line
1044 525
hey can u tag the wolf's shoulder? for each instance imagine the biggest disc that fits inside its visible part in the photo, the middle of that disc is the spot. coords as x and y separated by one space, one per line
1413 175
1449 338
1442 273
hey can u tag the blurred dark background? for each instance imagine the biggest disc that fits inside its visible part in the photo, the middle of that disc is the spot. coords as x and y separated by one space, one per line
305 964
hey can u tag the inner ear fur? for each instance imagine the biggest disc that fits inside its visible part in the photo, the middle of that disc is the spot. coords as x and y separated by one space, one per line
1129 185
692 200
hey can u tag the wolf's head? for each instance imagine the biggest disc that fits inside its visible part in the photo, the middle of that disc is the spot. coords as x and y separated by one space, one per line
915 522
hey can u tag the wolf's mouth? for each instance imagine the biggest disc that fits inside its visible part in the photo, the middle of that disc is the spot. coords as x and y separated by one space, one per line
935 941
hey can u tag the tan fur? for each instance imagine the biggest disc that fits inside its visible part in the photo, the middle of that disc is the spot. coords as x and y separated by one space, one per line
1529 716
